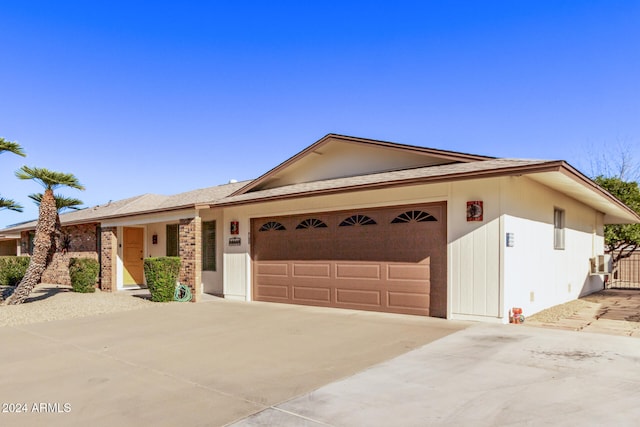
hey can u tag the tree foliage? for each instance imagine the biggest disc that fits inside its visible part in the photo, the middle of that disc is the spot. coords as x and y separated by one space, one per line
622 239
50 180
15 148
12 147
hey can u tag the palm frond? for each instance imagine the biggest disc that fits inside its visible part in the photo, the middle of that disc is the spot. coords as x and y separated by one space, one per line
10 205
62 202
49 179
12 147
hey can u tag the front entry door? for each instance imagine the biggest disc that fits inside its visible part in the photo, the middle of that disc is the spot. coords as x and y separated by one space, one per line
133 254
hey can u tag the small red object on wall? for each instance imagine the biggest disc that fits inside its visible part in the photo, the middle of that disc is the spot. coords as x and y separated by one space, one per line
474 210
235 227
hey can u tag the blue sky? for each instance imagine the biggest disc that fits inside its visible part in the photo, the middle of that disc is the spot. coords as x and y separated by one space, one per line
163 97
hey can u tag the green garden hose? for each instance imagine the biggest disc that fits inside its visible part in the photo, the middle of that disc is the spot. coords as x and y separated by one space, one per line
182 293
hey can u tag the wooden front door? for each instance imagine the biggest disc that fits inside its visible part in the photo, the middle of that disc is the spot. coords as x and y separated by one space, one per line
133 255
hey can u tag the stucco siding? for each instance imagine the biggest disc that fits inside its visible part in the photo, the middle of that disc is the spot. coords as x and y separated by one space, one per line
160 247
536 275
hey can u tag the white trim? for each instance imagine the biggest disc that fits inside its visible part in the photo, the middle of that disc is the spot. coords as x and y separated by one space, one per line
147 219
337 208
476 318
449 254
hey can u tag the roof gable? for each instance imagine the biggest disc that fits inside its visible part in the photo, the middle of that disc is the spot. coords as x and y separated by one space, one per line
339 156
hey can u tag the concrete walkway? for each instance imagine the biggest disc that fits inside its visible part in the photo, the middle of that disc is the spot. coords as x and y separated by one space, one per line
612 311
206 364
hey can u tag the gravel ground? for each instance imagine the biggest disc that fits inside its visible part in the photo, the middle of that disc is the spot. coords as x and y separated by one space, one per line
562 311
56 302
570 308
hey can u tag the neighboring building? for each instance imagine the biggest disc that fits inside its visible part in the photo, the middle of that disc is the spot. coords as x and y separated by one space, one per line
9 244
363 224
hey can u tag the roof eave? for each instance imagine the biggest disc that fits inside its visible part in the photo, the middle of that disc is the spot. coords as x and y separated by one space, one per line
618 213
632 216
99 219
545 167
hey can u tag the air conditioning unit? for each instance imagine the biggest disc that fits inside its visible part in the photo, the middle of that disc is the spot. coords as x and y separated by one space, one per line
600 264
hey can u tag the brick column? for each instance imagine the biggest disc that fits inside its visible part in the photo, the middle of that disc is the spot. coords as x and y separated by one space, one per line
108 257
190 235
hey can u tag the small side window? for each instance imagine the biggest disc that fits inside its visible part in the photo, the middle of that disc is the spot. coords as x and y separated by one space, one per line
209 252
558 228
172 242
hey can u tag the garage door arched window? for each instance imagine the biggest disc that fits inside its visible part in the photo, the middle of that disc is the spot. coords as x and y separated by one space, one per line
415 216
311 223
356 220
272 225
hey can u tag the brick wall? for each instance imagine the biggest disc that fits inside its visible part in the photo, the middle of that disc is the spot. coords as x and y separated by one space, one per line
77 241
58 270
108 257
190 235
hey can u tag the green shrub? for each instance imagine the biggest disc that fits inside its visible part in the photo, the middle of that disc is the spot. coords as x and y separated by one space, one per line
162 274
13 269
84 274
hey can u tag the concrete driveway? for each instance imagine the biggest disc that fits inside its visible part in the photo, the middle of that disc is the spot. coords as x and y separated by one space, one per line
205 364
485 375
258 364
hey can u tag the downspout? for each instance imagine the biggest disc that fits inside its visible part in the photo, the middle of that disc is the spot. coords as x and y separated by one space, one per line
501 251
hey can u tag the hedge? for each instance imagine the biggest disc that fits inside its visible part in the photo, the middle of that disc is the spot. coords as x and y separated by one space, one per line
162 274
84 274
13 269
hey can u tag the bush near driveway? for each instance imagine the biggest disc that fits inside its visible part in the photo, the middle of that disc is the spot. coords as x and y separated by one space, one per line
84 274
162 274
12 269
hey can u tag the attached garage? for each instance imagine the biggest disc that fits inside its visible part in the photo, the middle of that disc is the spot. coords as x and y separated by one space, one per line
388 259
372 225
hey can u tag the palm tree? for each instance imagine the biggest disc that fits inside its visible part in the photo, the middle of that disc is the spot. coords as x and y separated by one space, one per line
62 202
12 147
15 148
45 237
10 205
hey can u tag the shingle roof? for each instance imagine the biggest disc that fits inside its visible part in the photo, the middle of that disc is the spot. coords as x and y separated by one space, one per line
222 195
429 173
146 203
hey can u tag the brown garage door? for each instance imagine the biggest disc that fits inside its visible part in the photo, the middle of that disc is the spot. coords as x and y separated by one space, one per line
391 259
